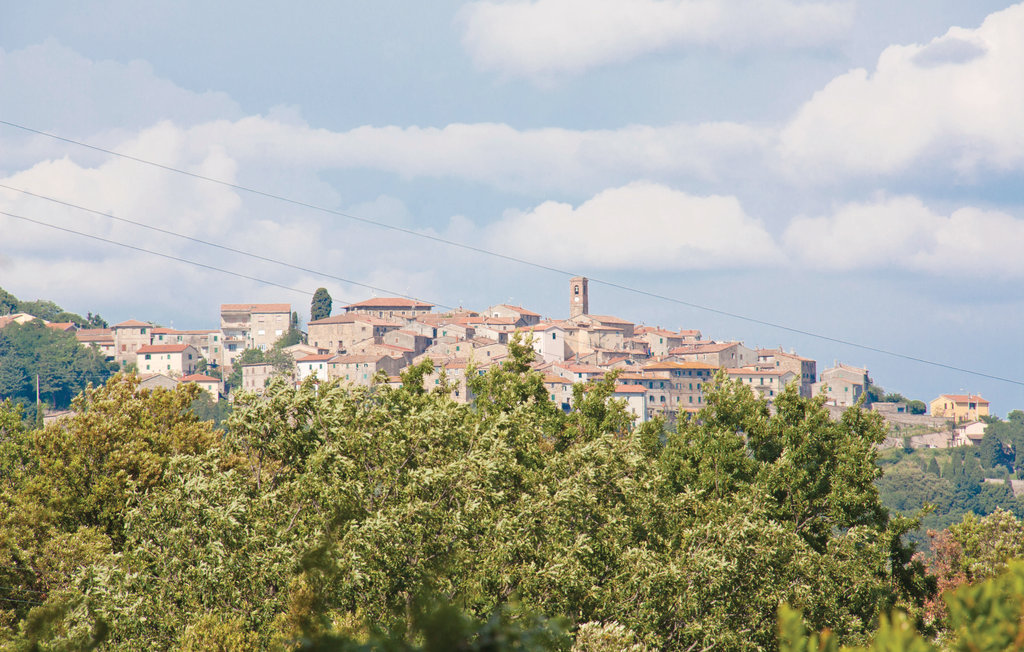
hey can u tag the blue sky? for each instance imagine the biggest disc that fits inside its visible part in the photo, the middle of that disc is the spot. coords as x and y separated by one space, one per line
848 168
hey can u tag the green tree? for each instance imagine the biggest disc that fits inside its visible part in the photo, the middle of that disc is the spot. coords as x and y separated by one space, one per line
982 616
62 364
8 302
320 308
324 513
992 452
42 309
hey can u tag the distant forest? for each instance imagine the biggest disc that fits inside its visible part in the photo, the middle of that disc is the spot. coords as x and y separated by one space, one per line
31 352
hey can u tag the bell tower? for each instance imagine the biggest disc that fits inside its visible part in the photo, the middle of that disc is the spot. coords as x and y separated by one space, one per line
579 301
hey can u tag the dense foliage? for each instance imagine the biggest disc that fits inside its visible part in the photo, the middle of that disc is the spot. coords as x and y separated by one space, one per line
979 604
330 517
951 482
62 364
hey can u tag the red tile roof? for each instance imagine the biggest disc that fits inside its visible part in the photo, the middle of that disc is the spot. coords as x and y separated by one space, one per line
198 378
964 398
552 379
630 389
316 357
132 323
609 319
521 310
162 348
94 334
660 332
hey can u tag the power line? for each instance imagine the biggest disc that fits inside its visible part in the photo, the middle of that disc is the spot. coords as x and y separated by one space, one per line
290 200
155 253
219 246
521 261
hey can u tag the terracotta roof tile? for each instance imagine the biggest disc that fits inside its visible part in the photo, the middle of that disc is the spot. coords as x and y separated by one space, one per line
964 398
162 348
198 378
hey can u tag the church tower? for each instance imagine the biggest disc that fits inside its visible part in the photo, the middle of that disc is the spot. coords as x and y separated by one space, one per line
579 302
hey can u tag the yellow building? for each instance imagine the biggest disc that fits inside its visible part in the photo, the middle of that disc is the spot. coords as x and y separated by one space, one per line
960 407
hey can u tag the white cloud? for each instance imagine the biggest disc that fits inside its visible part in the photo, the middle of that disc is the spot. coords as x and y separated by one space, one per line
957 102
53 88
639 226
532 160
549 37
86 274
904 233
64 90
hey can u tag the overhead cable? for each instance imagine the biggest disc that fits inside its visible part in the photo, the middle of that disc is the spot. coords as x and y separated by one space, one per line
488 252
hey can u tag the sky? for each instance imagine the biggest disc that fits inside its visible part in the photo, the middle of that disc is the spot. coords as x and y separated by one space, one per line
842 178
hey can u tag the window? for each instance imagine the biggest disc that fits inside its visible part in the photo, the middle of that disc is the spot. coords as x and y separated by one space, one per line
148 357
552 336
143 331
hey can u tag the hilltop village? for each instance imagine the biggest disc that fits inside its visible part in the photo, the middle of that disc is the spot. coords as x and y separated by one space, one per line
660 372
